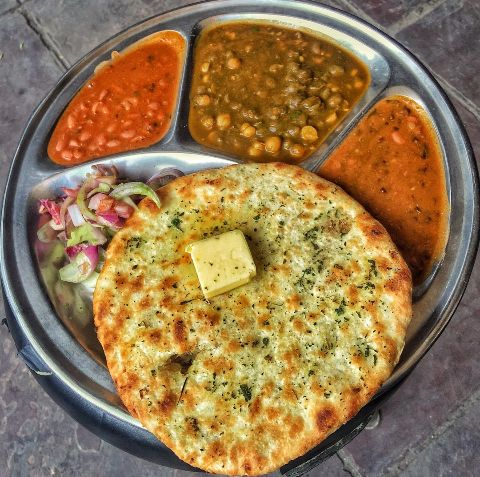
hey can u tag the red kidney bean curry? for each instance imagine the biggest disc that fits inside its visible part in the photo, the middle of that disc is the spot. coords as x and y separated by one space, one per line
262 92
127 104
392 164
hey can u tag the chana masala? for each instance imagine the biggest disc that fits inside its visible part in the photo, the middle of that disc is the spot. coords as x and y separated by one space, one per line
127 104
263 92
392 164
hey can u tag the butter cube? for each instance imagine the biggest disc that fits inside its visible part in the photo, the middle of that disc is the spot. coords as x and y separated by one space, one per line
223 262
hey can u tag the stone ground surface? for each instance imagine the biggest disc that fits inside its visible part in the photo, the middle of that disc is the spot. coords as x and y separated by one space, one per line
430 427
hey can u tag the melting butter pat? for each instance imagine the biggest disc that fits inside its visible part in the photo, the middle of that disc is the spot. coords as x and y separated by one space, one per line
223 262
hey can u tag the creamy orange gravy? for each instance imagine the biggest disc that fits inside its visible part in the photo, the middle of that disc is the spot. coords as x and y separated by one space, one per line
392 164
127 104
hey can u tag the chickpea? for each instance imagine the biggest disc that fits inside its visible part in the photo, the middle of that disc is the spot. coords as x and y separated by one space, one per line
207 122
311 104
262 132
293 88
213 137
331 118
205 67
294 101
293 67
336 70
309 134
275 68
258 145
274 126
297 151
358 84
270 83
206 78
293 131
202 100
224 120
335 100
316 48
233 63
250 114
325 93
273 144
247 130
304 76
287 144
253 151
298 118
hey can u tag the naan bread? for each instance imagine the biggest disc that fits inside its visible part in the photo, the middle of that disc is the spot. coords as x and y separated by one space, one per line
253 378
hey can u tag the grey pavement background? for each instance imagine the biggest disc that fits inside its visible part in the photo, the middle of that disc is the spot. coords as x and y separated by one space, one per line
430 427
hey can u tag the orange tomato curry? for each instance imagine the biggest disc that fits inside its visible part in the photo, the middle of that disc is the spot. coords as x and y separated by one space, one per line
391 163
127 104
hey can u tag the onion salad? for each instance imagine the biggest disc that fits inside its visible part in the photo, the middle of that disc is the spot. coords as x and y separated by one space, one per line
84 219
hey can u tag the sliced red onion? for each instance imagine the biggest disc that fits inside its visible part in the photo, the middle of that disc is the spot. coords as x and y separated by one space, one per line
46 234
56 226
87 186
164 177
50 206
81 266
123 210
63 209
107 179
127 200
95 200
135 188
74 250
70 192
110 220
99 235
75 215
104 170
102 187
90 250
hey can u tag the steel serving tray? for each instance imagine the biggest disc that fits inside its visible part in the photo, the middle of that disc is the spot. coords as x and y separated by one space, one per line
57 338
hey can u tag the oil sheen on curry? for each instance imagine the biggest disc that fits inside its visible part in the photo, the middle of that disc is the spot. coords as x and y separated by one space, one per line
392 164
127 104
262 92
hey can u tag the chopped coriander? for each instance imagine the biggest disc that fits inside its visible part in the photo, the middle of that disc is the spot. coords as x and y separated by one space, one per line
176 222
246 391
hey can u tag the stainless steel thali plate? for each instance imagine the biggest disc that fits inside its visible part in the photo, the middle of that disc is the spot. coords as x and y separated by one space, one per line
57 323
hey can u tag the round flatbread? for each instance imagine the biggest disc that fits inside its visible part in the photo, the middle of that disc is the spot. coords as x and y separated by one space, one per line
252 378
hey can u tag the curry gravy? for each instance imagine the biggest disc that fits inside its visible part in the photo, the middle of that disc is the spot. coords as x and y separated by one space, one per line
127 104
392 164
